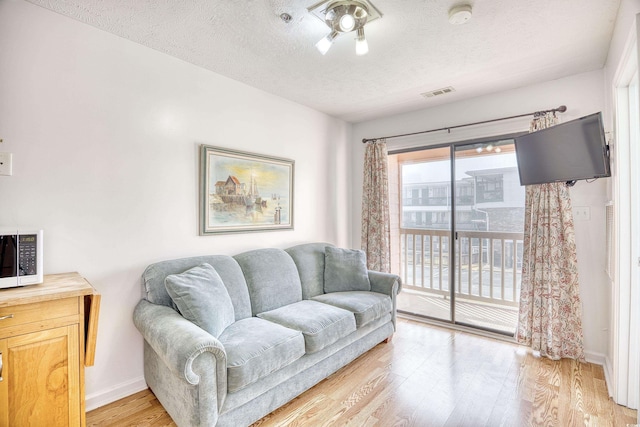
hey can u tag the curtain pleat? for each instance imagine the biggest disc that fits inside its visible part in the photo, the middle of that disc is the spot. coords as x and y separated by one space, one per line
550 317
375 207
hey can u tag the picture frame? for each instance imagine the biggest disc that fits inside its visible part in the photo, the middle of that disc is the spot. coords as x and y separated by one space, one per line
244 192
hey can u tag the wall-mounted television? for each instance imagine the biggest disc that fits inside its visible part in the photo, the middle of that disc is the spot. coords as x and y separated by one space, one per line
566 152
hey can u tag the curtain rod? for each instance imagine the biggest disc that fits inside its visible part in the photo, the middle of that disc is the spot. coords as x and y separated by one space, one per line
560 109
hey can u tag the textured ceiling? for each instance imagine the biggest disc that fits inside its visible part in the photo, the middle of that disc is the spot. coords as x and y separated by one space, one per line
412 49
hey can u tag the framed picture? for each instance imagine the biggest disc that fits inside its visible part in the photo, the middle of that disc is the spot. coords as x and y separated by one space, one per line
242 192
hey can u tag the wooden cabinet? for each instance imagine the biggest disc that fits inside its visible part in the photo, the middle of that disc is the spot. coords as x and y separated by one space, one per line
47 337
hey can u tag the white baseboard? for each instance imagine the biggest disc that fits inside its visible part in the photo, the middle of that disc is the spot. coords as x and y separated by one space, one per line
608 375
117 392
603 360
593 357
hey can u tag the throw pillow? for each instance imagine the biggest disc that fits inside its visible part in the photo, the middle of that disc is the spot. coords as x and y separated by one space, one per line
345 270
202 298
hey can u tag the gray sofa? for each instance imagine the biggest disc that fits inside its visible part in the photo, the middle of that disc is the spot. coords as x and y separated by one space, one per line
227 339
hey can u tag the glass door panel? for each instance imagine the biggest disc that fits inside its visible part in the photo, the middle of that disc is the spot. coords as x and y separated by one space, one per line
421 230
489 224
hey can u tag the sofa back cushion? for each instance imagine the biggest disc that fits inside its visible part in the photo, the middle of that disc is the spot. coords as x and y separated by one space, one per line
272 279
309 259
202 298
154 276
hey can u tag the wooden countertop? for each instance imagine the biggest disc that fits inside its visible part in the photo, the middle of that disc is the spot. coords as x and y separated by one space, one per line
54 286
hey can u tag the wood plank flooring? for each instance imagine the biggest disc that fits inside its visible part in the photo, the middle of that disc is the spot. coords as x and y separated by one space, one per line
430 376
485 315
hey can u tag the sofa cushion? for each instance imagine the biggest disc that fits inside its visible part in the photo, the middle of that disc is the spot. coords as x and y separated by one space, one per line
272 278
320 324
309 259
202 298
256 347
155 291
366 306
345 270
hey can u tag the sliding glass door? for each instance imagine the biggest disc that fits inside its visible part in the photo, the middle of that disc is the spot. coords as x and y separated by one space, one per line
457 228
489 224
422 230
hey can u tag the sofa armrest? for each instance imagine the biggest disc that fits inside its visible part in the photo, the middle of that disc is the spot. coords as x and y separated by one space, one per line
385 283
179 342
388 284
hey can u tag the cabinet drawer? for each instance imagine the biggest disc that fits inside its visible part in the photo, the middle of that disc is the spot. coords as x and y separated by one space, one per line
37 312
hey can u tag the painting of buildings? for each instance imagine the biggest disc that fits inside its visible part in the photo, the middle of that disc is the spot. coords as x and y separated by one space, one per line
245 192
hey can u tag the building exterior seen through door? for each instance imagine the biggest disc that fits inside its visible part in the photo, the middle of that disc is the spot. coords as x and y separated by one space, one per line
457 230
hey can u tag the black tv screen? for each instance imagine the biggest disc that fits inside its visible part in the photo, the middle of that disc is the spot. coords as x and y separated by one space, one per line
566 152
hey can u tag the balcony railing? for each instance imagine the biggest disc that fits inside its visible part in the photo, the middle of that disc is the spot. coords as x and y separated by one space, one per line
488 264
465 200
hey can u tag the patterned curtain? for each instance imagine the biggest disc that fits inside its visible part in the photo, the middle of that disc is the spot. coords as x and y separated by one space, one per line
550 318
375 207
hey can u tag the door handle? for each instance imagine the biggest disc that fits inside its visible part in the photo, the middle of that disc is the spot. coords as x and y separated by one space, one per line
8 316
0 367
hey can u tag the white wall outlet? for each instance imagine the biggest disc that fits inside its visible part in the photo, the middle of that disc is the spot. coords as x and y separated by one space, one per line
582 213
5 164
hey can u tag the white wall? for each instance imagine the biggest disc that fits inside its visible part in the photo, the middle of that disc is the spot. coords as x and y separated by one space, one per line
582 94
104 135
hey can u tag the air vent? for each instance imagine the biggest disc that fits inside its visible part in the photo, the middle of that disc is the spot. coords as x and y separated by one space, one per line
438 92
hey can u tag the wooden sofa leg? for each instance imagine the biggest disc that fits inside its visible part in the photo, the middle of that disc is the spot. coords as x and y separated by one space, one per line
388 339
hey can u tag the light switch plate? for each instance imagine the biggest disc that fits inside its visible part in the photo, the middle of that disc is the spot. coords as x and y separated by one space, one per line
5 164
582 213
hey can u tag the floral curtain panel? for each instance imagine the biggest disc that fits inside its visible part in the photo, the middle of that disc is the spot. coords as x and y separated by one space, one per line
550 317
375 207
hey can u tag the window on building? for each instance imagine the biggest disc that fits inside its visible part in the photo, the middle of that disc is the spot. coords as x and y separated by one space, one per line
489 188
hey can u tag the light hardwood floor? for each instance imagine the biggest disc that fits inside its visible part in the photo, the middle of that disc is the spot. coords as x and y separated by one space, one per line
500 318
430 376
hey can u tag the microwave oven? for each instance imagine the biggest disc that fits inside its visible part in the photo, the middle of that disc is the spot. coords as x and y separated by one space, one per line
20 258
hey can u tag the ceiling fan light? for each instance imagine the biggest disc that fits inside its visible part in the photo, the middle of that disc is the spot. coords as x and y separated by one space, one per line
325 43
347 23
362 47
345 16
